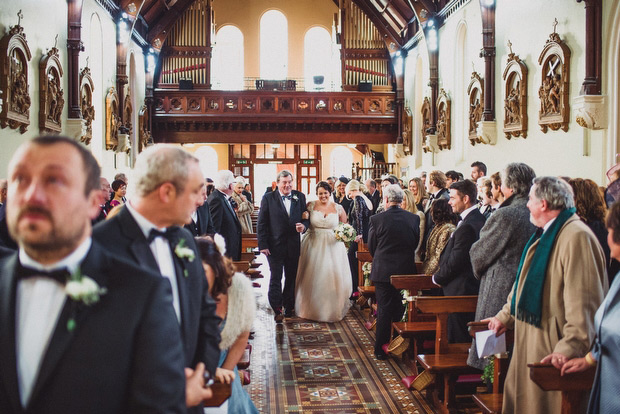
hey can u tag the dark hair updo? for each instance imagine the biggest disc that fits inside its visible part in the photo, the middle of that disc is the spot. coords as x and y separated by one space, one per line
222 266
324 185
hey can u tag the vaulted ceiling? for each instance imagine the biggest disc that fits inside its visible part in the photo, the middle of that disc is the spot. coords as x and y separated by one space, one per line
398 20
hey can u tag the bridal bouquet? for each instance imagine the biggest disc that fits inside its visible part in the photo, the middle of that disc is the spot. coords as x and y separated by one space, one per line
345 233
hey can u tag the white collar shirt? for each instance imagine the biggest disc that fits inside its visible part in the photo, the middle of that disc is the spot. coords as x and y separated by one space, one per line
162 251
39 301
286 201
466 212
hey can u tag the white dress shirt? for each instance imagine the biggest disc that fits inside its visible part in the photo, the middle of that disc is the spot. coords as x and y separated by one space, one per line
162 251
286 201
38 304
466 212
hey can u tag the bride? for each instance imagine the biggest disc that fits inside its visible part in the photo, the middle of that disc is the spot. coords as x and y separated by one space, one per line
323 282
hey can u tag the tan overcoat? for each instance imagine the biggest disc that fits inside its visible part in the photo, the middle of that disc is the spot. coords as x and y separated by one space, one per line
575 286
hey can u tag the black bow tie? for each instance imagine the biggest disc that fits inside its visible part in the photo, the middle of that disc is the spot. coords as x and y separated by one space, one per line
286 197
60 275
169 235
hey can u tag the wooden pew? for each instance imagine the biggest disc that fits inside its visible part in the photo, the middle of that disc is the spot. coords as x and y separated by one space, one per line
221 392
249 242
449 360
573 386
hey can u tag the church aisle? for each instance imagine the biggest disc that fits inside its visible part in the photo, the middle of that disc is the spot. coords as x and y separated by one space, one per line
310 367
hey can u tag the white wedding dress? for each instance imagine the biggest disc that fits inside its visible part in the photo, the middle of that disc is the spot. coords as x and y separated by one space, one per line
323 283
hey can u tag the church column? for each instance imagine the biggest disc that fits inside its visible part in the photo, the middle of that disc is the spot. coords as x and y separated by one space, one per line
593 44
487 7
74 47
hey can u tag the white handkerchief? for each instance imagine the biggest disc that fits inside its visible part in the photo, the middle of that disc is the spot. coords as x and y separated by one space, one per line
489 344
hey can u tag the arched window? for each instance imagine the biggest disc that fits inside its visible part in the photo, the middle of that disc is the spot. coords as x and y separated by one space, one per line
317 59
273 45
227 63
341 161
207 157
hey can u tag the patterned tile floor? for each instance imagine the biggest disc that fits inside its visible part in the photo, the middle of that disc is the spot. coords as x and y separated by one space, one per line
309 367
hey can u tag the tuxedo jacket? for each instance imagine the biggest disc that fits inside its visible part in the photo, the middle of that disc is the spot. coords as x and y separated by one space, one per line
376 200
276 229
203 224
5 238
392 240
226 223
455 274
123 356
122 236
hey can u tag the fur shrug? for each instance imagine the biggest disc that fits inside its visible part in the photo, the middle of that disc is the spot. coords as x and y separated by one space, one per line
241 310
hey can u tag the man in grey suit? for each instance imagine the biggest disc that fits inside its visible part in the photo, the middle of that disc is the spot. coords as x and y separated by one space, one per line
495 257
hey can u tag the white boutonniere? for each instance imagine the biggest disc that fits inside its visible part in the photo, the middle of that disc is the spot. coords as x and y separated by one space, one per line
81 288
295 197
184 252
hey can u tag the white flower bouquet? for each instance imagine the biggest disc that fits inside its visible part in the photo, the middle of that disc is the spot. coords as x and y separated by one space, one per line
345 233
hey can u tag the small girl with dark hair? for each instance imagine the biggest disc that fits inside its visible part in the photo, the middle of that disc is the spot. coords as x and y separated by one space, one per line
445 224
236 306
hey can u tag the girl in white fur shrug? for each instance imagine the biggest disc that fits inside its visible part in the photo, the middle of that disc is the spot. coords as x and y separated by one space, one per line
236 306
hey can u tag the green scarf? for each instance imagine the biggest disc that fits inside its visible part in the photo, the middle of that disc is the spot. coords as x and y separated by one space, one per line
530 302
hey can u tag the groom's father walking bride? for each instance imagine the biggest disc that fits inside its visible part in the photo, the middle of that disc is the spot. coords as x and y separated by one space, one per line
279 224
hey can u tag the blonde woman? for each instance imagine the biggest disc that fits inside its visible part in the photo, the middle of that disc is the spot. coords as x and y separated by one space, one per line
340 195
244 207
416 186
409 205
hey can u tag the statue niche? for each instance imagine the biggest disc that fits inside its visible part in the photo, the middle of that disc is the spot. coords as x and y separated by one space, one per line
475 90
515 91
554 59
112 120
51 95
87 87
14 57
427 122
406 131
444 140
145 138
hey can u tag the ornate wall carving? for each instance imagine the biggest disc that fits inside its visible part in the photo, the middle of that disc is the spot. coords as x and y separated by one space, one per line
553 92
444 140
475 91
86 104
144 134
14 57
51 95
112 120
406 131
427 121
515 92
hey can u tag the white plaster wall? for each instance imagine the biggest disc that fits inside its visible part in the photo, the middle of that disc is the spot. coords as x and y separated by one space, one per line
41 22
527 24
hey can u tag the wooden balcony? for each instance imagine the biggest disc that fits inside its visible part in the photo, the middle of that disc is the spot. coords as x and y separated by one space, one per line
185 116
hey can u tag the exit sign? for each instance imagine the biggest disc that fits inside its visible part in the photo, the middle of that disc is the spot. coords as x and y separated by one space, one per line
308 161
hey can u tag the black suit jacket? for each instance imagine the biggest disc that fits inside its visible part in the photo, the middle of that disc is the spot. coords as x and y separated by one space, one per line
392 240
5 238
122 236
226 223
124 355
203 224
276 229
455 274
376 200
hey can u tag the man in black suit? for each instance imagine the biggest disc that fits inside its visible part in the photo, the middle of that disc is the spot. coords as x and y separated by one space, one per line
392 240
6 240
436 186
375 195
225 220
115 349
455 274
201 223
104 202
167 189
279 224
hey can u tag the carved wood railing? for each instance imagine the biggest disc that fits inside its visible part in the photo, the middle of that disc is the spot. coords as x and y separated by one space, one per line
376 171
268 116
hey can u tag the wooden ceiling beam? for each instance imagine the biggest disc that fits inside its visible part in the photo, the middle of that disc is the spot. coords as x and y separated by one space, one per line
167 19
379 21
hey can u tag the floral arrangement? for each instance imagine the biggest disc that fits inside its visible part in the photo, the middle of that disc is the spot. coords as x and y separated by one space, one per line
184 253
345 233
366 269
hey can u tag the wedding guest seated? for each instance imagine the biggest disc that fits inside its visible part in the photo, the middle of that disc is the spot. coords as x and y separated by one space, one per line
245 208
605 352
119 189
409 205
495 257
445 224
236 306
